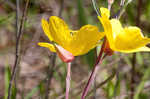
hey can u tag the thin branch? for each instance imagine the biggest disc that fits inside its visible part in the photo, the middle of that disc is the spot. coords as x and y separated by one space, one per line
96 8
84 80
133 70
53 61
61 7
17 57
50 72
123 5
17 17
94 71
17 32
99 85
132 76
104 82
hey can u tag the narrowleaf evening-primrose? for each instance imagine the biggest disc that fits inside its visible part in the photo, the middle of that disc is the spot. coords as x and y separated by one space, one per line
77 42
127 40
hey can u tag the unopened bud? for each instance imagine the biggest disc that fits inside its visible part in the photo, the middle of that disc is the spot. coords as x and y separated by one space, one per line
64 55
107 49
110 1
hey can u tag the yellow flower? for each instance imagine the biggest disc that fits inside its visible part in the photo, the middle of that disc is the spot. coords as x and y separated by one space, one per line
129 39
76 42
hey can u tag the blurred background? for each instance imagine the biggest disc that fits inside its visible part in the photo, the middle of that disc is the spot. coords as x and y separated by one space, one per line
119 77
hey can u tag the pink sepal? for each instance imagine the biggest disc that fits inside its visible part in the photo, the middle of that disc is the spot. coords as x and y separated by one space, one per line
65 55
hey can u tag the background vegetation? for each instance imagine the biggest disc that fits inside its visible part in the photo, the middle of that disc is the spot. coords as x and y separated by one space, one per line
121 76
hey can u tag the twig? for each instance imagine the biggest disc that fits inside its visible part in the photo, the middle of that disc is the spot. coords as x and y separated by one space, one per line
104 82
123 5
99 85
98 13
132 76
53 60
84 80
10 4
17 32
94 71
61 7
96 8
17 57
94 90
50 72
133 72
17 18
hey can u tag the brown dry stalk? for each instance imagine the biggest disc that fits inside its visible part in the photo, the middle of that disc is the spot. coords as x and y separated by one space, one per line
18 40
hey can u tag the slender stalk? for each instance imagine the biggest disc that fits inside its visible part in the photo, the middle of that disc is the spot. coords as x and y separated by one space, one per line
123 5
133 70
17 18
17 32
52 58
50 74
61 8
68 78
94 91
132 76
62 96
110 2
17 57
94 71
104 82
96 8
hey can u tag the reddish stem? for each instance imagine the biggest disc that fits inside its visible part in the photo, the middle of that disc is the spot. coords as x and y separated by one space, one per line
94 71
68 77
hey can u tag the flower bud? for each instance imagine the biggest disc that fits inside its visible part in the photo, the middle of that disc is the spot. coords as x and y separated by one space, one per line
64 55
107 49
110 1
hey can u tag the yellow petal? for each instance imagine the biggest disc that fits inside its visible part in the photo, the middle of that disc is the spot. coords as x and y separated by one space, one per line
117 28
145 49
47 45
131 39
104 12
121 39
59 31
84 40
107 30
46 30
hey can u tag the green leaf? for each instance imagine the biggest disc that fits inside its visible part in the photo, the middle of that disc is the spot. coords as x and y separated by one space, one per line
7 79
110 89
139 58
81 14
32 92
140 87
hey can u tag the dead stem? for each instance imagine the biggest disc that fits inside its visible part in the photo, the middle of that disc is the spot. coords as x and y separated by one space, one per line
132 76
133 70
104 82
52 61
94 71
50 72
18 40
84 81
